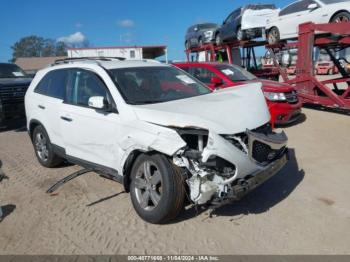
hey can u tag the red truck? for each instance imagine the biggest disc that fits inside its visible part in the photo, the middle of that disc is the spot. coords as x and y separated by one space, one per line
282 99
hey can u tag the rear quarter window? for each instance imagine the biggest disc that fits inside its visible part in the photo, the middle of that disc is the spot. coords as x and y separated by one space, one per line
53 84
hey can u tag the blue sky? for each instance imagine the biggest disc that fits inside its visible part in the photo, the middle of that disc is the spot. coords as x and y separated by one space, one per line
107 22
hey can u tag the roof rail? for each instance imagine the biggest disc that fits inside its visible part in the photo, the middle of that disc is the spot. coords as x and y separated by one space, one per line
98 58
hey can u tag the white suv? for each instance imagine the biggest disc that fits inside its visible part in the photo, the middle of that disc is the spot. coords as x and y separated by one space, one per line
154 128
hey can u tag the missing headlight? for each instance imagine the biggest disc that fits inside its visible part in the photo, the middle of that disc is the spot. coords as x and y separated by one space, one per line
220 165
196 139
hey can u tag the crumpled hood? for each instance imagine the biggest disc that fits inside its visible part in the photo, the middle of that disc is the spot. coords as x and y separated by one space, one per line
15 81
226 111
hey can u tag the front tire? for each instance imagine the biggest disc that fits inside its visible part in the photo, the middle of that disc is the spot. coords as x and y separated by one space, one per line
273 36
157 188
44 149
341 17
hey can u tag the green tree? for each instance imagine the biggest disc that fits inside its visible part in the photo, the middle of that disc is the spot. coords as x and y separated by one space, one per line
61 49
28 46
35 46
49 48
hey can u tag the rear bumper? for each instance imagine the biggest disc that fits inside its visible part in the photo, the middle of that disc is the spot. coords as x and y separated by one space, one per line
284 113
254 32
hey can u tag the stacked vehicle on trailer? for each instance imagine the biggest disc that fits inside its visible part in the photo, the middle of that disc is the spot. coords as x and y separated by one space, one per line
280 30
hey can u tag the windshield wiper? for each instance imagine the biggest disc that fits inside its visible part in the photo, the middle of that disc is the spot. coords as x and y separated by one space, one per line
241 80
146 102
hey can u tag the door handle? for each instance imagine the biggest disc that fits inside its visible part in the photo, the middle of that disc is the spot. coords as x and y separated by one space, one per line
41 106
65 118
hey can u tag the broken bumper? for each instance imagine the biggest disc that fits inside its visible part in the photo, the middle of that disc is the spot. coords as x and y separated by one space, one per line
244 187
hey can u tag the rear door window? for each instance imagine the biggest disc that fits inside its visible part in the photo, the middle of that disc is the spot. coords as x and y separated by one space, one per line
295 7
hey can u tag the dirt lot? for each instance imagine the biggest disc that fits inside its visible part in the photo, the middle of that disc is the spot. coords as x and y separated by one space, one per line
305 209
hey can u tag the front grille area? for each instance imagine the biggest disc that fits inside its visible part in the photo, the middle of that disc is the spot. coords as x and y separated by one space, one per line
12 94
263 153
12 101
264 129
292 97
252 143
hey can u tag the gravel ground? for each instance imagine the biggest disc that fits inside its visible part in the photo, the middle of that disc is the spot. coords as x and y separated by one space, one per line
304 209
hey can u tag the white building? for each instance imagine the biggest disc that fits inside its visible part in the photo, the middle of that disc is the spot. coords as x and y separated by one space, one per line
128 52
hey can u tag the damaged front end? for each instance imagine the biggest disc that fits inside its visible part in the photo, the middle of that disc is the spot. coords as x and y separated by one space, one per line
224 167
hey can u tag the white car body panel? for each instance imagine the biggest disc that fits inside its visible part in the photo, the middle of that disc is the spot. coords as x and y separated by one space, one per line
108 139
222 112
288 25
256 18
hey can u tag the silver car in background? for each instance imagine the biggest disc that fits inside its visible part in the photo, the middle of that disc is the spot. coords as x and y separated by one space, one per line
200 34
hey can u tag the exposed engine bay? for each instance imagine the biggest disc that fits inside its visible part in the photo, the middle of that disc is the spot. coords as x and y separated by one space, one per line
223 168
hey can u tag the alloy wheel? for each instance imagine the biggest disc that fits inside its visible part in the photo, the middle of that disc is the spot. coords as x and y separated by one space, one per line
341 19
239 34
41 146
218 39
148 185
273 36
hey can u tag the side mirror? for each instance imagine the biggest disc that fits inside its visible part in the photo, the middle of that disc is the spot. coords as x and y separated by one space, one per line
98 102
217 81
312 6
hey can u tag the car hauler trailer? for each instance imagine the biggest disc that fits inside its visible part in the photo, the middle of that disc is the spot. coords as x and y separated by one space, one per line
335 39
230 52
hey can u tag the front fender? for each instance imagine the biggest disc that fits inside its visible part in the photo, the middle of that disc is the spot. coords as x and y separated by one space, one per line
157 138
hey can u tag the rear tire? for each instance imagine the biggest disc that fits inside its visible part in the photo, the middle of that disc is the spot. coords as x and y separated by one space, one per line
341 17
200 42
157 188
273 36
44 149
187 45
240 34
218 40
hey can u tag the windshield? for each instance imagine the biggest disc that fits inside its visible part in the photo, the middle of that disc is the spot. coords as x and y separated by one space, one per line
235 73
207 26
333 1
11 71
147 85
261 6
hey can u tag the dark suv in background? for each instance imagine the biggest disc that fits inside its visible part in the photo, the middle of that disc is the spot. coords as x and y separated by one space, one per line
199 34
231 27
13 86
